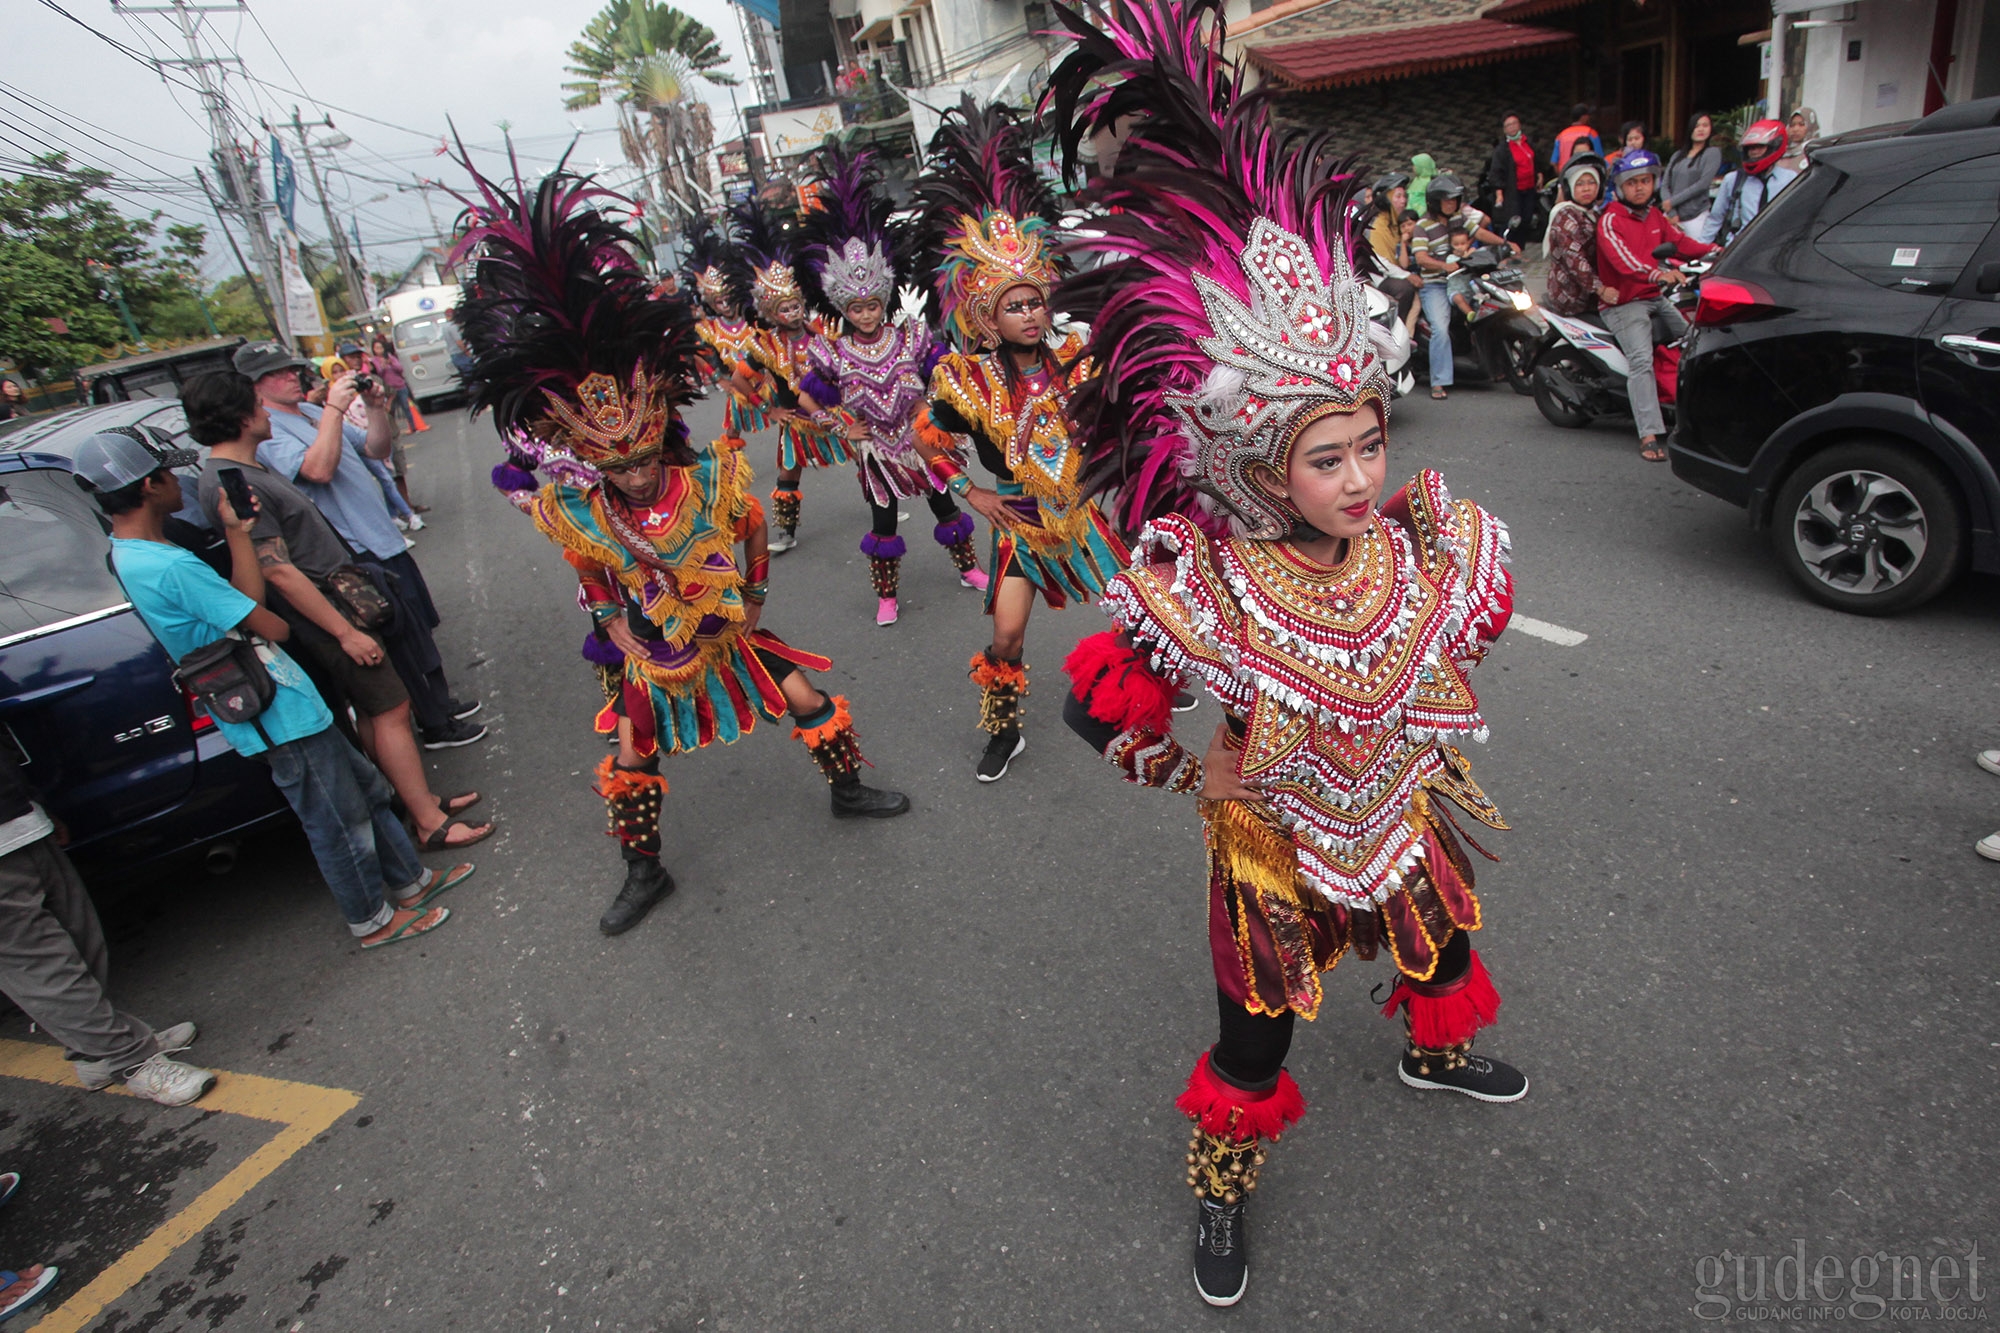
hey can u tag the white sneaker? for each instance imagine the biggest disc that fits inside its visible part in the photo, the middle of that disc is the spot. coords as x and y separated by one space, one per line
169 1082
409 545
1989 760
1988 846
416 523
402 524
99 1074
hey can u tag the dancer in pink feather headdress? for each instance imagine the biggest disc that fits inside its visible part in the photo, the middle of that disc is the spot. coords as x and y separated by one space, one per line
1240 413
869 384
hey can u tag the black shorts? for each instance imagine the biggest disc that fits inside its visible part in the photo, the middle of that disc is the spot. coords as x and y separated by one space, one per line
373 690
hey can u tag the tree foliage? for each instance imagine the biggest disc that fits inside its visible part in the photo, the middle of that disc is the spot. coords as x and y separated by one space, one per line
54 222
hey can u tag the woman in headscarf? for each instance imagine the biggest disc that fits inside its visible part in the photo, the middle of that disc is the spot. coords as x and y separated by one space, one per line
1422 167
1801 128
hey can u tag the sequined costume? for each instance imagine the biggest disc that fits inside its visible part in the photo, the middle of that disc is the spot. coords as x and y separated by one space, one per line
1229 324
721 278
729 340
584 375
988 213
870 385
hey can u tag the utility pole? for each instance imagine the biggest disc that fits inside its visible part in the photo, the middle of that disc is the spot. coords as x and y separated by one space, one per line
256 287
357 304
241 188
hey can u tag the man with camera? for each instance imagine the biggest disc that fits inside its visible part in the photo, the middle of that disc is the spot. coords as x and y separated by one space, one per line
342 801
324 454
305 562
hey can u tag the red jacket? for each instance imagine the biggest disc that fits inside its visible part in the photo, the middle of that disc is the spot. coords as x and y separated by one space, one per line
1626 239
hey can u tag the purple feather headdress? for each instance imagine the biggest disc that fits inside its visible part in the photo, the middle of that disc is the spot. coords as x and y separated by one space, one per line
1226 317
846 232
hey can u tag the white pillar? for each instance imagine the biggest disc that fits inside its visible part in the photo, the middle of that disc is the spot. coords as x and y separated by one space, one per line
1776 84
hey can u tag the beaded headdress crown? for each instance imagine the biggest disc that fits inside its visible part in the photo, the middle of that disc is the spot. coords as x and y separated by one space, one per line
846 232
1226 317
769 254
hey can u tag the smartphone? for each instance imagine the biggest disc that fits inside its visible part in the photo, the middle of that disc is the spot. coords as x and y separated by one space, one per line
238 491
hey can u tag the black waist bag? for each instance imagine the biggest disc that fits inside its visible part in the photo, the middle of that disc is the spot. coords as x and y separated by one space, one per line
228 679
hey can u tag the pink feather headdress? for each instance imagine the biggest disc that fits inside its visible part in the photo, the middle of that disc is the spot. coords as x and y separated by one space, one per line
1226 317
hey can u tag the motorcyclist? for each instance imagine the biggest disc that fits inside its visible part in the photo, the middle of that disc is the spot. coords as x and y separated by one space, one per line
1630 230
1444 205
1389 196
1744 191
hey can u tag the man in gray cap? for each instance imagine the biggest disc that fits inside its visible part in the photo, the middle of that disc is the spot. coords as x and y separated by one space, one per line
325 456
343 802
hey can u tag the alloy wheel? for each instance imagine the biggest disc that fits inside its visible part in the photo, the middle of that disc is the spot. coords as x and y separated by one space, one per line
1860 531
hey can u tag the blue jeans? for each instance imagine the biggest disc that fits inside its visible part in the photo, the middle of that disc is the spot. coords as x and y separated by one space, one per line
343 802
1437 309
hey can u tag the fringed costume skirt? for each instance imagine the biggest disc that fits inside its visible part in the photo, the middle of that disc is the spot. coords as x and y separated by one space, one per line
712 690
1271 934
889 475
1061 567
742 417
803 444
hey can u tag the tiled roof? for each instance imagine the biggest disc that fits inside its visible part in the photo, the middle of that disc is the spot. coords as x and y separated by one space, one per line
1337 18
1510 11
1391 53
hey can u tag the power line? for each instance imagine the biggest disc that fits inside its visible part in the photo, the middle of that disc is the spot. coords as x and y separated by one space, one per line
118 46
54 112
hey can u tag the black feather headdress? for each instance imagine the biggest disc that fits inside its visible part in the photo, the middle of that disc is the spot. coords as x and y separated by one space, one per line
715 266
844 233
568 346
770 250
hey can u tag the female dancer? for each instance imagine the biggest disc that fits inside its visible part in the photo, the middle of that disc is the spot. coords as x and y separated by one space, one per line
877 374
1008 389
723 284
1336 630
570 349
777 363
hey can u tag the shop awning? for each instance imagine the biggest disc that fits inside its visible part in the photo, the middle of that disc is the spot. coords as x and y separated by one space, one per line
1395 53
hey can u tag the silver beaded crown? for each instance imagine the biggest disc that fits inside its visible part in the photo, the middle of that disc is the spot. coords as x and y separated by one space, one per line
857 271
1299 348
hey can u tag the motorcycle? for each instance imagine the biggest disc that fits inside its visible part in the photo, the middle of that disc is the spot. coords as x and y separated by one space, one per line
1505 329
1579 374
1392 340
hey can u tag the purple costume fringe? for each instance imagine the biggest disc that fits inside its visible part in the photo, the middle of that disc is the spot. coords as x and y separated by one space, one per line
956 529
818 389
879 547
601 651
509 478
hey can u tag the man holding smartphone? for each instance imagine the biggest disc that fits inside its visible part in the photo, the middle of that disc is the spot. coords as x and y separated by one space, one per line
298 551
326 457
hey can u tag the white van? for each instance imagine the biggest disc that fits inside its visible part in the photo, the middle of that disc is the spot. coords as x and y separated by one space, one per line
421 321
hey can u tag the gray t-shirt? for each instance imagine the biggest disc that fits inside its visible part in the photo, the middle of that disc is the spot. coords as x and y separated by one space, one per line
282 511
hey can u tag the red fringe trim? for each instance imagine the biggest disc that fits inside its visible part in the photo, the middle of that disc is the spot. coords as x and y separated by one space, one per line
927 431
614 782
1235 1113
782 494
1453 1017
989 674
1110 677
753 514
842 720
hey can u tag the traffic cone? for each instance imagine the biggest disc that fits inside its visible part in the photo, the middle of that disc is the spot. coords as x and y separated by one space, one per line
417 416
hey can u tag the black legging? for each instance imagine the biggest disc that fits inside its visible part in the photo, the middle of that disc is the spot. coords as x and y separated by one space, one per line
883 517
1251 1048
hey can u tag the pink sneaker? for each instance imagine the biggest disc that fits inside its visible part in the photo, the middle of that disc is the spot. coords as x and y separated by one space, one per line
885 611
973 578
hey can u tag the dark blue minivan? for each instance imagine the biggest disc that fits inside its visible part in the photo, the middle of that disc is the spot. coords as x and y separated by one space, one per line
87 698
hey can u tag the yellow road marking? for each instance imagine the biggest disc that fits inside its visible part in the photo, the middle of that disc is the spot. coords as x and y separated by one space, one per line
303 1109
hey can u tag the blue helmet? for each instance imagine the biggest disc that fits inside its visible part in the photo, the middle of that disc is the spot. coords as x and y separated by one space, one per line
1636 162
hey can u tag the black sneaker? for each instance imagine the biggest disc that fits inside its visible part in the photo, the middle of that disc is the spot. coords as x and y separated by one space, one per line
452 736
1221 1251
1488 1080
461 711
1186 702
646 882
853 800
1000 751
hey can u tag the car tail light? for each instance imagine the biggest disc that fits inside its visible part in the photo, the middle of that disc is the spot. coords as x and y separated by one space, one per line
199 721
1725 301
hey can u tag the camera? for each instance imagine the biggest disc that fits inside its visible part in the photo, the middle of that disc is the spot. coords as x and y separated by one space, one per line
364 382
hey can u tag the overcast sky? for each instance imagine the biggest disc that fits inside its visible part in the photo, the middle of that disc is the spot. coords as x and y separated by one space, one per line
411 63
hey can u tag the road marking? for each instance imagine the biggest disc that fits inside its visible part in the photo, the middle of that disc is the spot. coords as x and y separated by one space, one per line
1542 629
303 1109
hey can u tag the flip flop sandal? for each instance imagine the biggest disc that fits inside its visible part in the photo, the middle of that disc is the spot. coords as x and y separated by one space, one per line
439 839
459 804
9 1182
29 1291
1654 453
1438 394
450 879
412 928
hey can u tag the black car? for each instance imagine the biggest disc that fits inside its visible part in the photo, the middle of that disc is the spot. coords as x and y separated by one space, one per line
1843 379
87 696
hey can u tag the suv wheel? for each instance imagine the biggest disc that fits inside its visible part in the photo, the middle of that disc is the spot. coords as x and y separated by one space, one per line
1868 528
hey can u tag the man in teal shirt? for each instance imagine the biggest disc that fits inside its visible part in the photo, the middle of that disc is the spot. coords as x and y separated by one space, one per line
341 800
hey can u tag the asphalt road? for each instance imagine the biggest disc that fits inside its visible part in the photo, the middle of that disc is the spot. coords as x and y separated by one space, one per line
919 1074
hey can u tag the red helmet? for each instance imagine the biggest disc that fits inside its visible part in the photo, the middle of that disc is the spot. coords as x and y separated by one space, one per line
1762 145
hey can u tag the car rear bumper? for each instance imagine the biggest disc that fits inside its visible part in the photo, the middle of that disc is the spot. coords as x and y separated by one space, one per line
231 796
1708 474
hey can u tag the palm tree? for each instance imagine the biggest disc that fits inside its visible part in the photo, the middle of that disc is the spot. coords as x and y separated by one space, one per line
645 55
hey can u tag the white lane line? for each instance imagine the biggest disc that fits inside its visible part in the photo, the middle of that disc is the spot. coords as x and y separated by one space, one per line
1542 629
